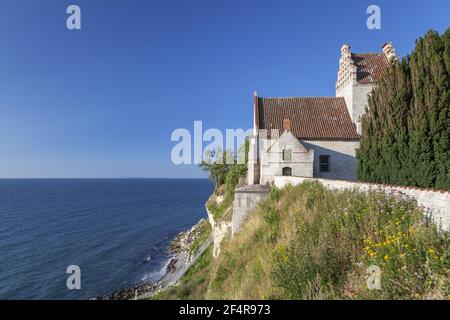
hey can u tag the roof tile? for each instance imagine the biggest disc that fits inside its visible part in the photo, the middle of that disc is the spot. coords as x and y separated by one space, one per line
370 66
311 117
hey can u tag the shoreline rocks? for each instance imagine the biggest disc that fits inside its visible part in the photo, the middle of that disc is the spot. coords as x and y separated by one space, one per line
174 269
184 239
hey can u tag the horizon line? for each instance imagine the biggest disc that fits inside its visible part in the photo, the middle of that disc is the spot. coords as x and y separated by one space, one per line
100 178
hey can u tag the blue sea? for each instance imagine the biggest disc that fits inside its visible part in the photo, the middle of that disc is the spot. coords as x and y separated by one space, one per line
115 230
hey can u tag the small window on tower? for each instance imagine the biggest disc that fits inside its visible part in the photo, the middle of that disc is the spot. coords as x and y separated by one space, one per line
287 155
324 163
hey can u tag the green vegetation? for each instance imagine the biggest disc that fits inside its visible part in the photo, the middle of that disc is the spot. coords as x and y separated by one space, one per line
406 132
225 175
204 233
306 242
219 209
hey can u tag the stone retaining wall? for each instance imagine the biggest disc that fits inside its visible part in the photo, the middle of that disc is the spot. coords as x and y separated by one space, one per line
246 199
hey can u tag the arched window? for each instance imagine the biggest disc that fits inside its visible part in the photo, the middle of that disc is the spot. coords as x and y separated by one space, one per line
287 171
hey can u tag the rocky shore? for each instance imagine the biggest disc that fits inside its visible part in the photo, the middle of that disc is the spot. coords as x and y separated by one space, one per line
182 259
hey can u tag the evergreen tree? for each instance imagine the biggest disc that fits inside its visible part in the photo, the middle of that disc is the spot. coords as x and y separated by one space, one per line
406 130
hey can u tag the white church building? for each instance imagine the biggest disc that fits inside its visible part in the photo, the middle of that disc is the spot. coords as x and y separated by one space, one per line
316 136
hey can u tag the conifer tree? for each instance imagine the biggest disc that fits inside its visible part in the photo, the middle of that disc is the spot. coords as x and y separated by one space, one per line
406 130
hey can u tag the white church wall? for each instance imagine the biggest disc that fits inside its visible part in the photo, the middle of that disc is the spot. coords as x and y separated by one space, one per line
272 162
360 100
342 158
347 93
356 98
253 171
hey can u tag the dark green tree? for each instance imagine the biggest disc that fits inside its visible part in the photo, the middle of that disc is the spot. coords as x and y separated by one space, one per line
406 130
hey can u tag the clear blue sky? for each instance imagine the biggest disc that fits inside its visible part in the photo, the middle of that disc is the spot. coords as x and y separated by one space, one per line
103 101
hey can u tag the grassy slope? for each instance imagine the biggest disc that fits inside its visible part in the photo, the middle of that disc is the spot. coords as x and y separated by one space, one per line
309 243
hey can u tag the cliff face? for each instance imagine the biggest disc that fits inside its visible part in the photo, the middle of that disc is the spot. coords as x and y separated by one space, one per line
220 227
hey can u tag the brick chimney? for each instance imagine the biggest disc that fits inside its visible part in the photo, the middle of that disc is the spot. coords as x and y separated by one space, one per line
389 51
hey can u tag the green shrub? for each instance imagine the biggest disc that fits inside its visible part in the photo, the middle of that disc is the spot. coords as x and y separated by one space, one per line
274 193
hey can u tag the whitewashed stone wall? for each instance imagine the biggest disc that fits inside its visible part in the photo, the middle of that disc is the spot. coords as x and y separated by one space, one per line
272 162
305 159
246 200
360 100
253 172
342 158
435 203
347 93
356 98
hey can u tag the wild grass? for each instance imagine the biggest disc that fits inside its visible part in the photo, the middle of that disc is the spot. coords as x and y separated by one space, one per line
306 242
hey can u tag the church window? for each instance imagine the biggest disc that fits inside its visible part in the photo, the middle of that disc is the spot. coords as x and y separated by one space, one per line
324 163
287 171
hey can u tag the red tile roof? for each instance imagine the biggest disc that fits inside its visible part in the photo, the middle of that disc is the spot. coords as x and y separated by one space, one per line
370 66
311 117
